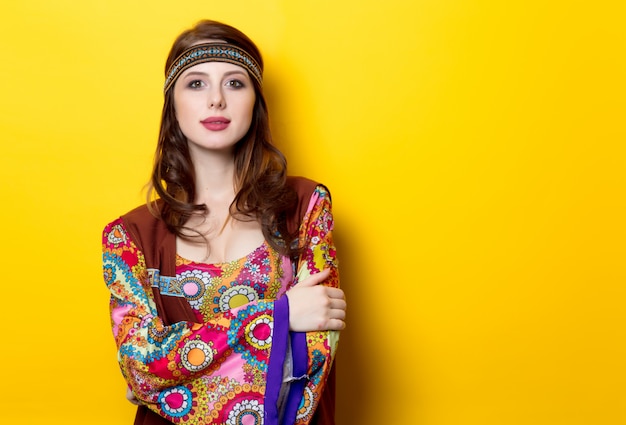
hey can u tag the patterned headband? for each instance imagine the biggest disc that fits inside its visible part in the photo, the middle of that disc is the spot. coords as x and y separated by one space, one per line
211 52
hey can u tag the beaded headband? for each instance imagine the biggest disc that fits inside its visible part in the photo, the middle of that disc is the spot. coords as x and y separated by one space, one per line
211 52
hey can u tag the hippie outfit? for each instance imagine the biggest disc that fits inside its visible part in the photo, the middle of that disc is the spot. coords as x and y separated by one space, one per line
210 343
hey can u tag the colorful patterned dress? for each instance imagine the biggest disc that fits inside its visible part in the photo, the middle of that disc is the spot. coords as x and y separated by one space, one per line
237 363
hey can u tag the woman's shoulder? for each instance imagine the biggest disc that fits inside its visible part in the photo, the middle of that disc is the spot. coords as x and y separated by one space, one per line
310 193
302 183
140 213
140 221
305 187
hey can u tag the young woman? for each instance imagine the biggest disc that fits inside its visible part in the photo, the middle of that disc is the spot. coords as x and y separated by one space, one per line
225 303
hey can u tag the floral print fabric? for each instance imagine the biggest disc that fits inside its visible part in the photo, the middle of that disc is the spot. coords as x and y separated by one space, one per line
215 370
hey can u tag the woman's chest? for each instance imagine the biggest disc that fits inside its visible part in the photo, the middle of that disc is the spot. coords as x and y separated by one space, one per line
212 289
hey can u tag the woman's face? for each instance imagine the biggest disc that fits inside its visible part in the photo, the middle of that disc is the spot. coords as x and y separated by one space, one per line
214 103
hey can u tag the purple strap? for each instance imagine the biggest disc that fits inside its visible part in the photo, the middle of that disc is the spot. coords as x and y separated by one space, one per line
277 359
300 368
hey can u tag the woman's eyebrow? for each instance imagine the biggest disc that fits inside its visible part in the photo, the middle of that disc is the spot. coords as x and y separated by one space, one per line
196 73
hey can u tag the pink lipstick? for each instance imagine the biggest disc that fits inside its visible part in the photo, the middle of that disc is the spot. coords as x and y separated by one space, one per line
215 123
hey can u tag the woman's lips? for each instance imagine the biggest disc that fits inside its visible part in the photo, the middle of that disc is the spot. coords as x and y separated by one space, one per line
215 123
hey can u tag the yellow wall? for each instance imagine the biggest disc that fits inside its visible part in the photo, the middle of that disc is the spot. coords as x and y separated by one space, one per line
475 151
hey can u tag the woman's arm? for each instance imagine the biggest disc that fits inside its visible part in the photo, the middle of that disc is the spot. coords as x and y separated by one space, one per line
318 280
166 366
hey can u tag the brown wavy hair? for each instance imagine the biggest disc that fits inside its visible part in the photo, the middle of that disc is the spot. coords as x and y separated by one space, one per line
261 186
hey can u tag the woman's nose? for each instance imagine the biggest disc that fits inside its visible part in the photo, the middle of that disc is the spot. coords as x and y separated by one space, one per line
216 99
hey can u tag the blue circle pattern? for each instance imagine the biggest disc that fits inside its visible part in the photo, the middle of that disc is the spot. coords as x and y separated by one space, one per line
184 409
239 322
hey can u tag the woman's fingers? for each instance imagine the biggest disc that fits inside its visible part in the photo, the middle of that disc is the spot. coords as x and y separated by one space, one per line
316 307
315 279
336 315
338 305
334 325
334 293
131 397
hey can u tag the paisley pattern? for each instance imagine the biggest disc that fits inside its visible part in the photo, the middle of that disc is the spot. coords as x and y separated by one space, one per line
214 371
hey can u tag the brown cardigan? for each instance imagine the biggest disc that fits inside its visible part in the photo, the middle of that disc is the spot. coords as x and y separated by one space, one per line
159 248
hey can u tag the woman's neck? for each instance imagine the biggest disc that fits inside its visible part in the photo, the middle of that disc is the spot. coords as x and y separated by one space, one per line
215 178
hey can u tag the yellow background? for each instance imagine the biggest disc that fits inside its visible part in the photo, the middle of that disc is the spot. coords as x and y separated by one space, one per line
475 152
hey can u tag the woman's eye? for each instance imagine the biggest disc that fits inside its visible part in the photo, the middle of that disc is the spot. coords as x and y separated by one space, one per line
234 84
195 84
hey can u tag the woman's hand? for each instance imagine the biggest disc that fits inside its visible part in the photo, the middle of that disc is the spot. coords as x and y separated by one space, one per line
131 397
314 307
